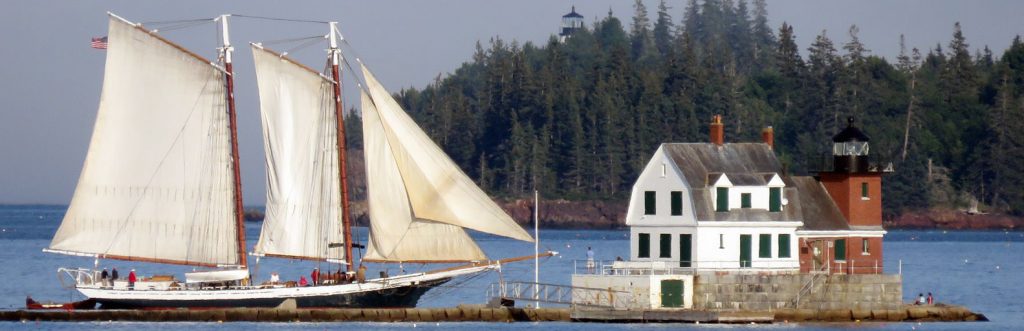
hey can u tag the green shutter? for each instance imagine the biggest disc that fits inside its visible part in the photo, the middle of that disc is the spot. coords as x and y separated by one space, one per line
784 245
745 200
665 241
677 203
775 199
840 249
650 202
764 243
864 190
644 249
685 255
723 199
745 251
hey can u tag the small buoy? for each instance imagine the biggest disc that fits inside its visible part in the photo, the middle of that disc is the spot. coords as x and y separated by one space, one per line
437 324
414 325
965 261
997 267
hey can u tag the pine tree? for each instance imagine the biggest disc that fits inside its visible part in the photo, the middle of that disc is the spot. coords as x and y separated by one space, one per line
663 29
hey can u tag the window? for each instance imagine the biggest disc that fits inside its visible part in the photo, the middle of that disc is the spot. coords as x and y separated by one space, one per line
764 243
745 200
723 199
865 247
784 245
677 203
650 202
644 247
662 170
775 199
840 249
864 190
721 241
666 245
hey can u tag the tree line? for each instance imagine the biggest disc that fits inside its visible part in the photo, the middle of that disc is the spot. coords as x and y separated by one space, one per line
579 120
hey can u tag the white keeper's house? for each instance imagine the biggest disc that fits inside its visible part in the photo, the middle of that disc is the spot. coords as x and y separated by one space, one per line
721 208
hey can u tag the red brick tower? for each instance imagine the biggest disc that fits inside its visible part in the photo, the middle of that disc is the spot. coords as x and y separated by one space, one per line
856 188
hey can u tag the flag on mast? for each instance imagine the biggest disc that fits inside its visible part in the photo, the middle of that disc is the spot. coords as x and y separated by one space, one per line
99 42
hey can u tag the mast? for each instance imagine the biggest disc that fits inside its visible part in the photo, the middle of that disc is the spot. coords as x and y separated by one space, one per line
346 223
233 123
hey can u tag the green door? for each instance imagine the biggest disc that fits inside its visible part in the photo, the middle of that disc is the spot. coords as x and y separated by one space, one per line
684 251
672 293
745 243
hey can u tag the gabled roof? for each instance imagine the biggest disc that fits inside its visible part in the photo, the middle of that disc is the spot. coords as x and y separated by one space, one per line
745 161
818 210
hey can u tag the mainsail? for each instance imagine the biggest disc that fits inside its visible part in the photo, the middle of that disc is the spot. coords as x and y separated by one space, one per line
303 216
419 200
157 180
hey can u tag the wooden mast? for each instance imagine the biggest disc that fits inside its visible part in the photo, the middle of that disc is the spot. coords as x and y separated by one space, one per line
339 113
230 84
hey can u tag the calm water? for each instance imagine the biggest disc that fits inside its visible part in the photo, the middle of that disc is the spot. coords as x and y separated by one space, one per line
981 270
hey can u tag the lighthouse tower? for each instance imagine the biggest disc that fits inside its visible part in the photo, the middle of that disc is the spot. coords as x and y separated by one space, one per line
570 23
856 187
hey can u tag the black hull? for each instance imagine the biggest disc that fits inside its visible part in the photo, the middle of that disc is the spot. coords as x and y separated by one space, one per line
399 297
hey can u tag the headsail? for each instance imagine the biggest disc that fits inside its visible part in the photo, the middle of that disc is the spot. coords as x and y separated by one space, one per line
303 217
157 181
419 199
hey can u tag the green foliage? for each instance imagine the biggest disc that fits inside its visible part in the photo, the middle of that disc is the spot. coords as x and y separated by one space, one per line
580 119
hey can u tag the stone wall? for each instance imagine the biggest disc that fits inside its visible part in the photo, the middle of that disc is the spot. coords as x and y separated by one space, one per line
804 291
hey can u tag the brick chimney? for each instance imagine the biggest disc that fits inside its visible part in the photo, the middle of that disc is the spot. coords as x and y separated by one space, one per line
717 130
768 135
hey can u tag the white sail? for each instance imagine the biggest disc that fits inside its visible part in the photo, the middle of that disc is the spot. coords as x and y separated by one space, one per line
157 181
303 216
419 199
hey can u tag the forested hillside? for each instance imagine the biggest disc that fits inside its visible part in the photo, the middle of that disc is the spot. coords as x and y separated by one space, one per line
578 120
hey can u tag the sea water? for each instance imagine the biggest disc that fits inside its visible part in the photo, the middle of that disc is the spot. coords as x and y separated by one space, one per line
983 270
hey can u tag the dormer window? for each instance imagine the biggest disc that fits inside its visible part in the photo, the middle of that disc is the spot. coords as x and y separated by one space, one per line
723 199
775 199
745 200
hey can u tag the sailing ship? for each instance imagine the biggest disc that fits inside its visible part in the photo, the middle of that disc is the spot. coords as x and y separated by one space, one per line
161 184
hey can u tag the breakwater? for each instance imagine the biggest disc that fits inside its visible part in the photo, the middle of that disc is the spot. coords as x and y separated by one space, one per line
482 314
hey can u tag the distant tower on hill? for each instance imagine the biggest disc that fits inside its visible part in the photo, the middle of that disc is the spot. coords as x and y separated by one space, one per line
570 23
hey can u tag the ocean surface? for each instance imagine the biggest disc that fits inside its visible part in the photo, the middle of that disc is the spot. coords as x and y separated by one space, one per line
983 270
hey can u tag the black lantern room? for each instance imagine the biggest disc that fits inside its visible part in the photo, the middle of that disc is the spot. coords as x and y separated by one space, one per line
850 150
570 23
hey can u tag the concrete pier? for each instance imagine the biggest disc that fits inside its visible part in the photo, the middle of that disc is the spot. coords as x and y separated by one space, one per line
482 314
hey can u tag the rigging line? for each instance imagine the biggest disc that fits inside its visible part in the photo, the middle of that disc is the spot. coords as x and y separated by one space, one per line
211 19
180 26
289 40
301 46
279 19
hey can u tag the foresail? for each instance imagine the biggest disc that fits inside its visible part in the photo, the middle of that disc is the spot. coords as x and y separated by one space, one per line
438 190
303 216
395 233
157 183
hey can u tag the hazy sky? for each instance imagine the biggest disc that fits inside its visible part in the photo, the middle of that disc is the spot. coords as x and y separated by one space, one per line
51 78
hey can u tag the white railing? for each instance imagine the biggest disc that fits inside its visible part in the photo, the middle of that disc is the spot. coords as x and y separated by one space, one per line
563 294
623 268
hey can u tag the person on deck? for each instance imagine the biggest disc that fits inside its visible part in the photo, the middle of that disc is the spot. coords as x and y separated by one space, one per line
920 299
131 280
303 282
361 273
104 278
590 260
274 278
113 277
315 276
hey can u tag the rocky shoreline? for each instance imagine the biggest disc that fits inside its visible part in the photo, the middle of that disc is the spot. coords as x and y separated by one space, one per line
604 215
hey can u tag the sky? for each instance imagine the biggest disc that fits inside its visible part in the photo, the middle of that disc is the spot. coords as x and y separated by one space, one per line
50 78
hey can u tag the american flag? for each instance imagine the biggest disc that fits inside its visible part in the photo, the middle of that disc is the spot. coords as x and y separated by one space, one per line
99 43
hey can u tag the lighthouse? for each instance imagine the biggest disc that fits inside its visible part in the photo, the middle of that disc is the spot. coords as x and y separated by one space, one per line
570 23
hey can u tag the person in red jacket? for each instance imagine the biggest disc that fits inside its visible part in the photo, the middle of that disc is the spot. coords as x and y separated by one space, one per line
131 280
315 276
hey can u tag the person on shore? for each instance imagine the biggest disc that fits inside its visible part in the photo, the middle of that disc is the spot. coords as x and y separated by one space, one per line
104 278
920 299
590 260
131 280
315 276
931 300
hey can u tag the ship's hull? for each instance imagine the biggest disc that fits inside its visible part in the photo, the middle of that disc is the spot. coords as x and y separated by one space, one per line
392 297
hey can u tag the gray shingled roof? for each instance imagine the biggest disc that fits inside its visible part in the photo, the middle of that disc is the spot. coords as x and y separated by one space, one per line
753 164
817 208
698 160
